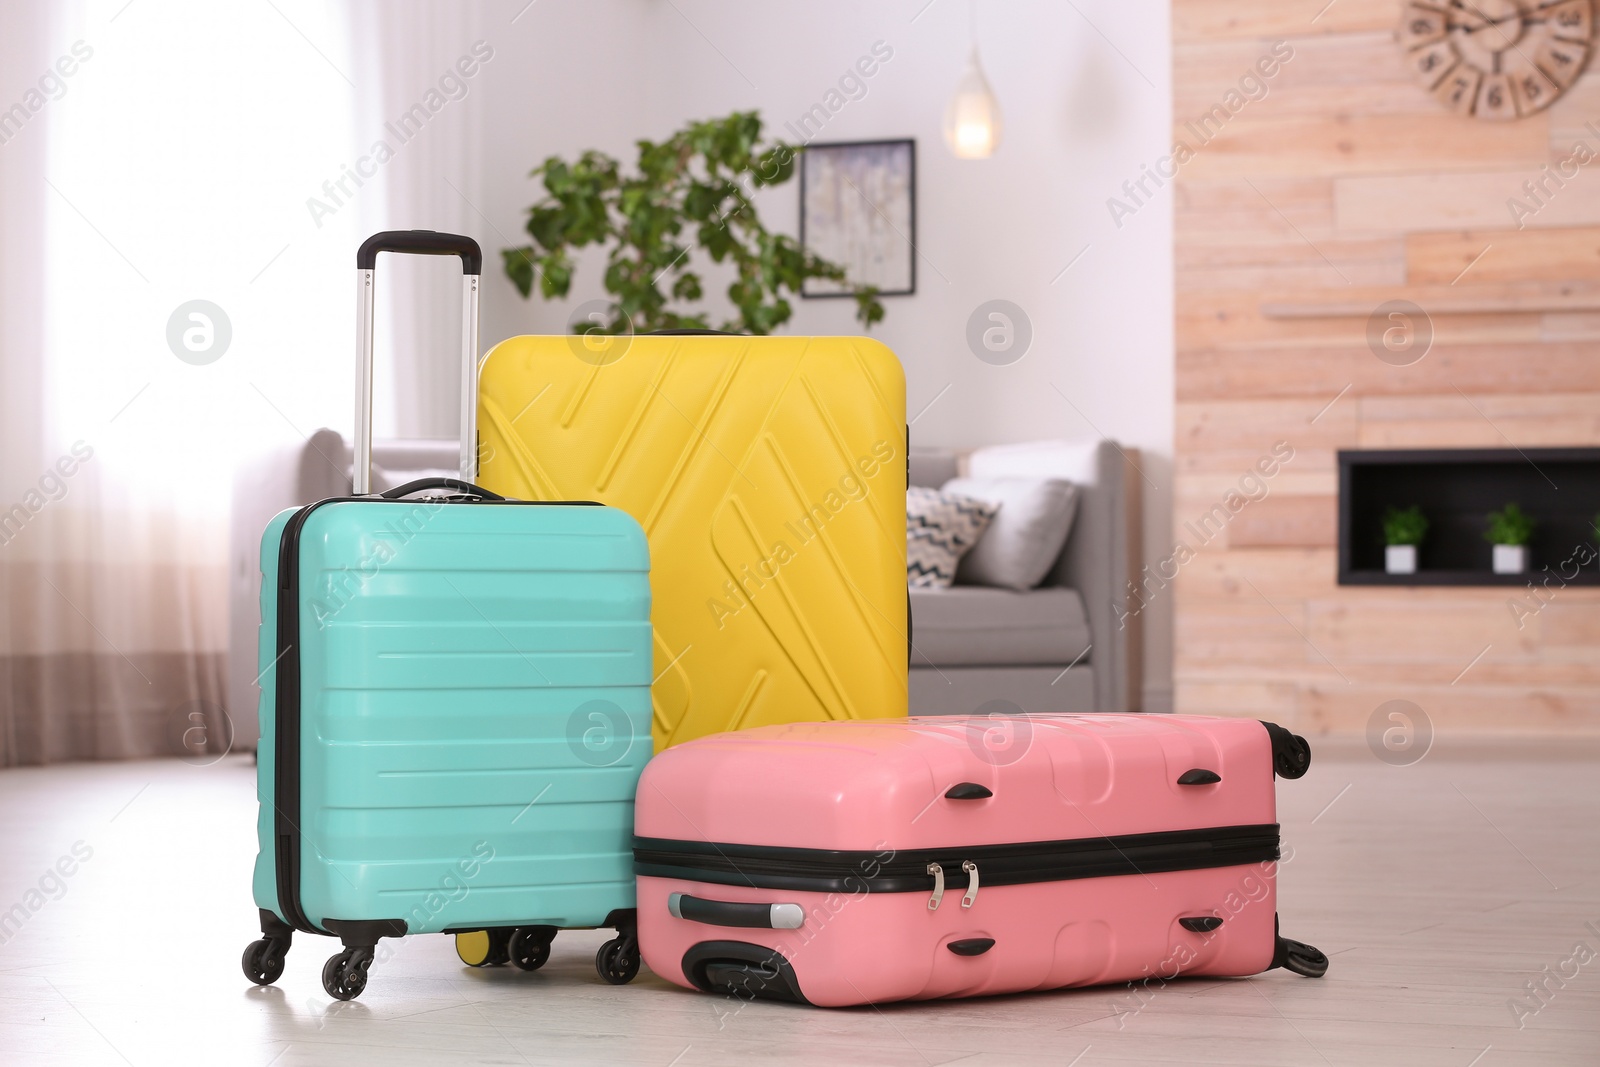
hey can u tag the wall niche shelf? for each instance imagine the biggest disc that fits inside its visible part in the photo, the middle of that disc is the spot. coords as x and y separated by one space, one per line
1456 489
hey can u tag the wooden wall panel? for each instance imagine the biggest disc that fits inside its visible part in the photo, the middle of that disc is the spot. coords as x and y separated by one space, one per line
1535 367
1277 206
1484 421
1503 255
1346 143
1216 20
1286 522
1419 202
1366 78
1570 326
1520 709
1227 576
1343 186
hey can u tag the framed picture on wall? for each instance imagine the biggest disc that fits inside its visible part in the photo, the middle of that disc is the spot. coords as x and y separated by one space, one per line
858 208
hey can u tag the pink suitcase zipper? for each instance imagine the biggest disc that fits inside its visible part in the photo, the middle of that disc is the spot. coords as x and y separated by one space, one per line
849 863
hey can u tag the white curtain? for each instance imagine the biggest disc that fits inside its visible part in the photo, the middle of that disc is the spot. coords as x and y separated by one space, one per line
165 152
421 67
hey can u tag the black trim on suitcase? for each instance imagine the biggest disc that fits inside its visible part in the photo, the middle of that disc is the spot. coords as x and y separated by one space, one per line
365 932
286 724
886 871
739 968
286 693
618 919
911 647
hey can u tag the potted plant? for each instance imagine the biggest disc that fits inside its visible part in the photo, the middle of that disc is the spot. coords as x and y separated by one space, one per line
693 192
1510 530
1403 531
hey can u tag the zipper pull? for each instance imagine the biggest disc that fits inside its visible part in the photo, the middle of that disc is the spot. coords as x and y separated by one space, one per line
972 883
938 886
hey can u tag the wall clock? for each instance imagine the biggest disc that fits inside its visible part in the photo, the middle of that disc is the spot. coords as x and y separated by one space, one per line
1497 59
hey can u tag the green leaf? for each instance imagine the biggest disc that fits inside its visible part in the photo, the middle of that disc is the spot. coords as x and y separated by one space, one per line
1510 526
775 166
869 309
687 287
555 276
1404 526
519 268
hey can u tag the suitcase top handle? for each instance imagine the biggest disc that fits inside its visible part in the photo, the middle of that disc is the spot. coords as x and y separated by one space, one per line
455 485
421 243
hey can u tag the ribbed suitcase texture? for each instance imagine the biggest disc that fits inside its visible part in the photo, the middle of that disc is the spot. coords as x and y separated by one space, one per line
850 863
769 474
473 714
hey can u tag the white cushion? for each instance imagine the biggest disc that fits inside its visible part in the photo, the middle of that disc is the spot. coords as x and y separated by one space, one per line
1071 461
1029 528
940 527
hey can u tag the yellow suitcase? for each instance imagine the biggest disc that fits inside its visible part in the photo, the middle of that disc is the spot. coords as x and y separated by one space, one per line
770 476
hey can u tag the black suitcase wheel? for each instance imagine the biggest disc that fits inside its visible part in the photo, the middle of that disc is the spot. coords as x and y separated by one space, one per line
344 976
530 946
1303 959
618 960
484 948
499 947
1291 755
263 961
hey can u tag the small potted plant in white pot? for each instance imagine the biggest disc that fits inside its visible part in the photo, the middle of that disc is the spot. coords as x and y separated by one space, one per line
1510 530
1403 531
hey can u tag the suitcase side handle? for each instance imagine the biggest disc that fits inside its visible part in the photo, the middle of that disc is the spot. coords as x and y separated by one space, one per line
422 243
731 913
971 946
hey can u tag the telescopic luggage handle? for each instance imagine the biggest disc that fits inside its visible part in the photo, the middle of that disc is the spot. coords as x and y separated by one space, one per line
420 243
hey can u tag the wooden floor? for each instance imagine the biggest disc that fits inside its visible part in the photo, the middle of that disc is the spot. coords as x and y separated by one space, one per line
1440 890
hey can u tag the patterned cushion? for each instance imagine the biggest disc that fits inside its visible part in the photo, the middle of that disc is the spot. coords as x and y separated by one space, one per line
939 528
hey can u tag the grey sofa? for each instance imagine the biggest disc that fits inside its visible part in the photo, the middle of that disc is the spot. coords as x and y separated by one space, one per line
1071 644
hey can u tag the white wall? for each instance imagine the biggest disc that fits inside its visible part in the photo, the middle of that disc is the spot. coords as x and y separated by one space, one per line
1085 91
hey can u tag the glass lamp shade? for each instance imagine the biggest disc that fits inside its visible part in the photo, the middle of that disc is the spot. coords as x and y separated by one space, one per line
972 121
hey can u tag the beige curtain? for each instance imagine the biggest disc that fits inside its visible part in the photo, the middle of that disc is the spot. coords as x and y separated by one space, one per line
170 159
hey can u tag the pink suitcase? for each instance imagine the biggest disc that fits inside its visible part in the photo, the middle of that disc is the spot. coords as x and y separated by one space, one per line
844 863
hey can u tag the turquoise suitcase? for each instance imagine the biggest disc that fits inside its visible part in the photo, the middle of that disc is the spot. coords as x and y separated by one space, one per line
455 709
